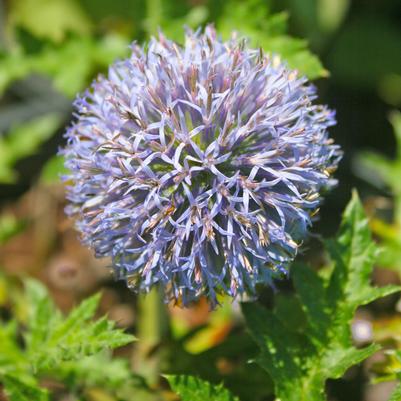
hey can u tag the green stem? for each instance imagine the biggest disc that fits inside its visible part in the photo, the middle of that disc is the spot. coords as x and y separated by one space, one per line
152 330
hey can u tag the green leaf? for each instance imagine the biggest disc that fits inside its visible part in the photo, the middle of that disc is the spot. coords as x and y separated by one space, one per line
376 169
9 227
11 356
390 368
52 171
106 371
384 172
24 140
42 317
52 339
253 20
75 349
301 358
396 394
55 62
70 78
191 388
379 169
19 390
49 19
353 253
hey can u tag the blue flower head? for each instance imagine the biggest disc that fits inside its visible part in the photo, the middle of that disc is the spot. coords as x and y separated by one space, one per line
198 168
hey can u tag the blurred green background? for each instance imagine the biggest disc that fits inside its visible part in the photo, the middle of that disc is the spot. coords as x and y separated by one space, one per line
52 49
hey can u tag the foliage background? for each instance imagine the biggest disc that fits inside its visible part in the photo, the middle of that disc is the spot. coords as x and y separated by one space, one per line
52 49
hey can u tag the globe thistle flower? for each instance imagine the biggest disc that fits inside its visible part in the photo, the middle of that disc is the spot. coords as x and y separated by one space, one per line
198 168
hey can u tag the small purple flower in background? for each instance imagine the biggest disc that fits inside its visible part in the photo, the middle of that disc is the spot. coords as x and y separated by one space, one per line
198 168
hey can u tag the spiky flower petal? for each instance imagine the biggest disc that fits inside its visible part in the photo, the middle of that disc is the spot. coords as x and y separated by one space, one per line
198 167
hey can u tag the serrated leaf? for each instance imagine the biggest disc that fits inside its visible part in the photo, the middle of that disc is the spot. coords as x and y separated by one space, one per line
73 349
384 172
107 372
52 339
19 390
269 31
42 316
301 359
10 354
77 317
353 253
191 388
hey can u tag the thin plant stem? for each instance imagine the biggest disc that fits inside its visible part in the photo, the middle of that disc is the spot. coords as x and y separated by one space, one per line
152 330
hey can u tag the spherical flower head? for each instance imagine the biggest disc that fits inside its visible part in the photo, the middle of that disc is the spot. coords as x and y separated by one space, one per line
198 168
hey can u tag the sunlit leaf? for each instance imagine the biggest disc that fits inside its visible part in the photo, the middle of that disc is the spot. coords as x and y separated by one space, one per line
385 173
191 388
51 19
301 359
396 394
57 62
20 390
61 347
269 32
52 338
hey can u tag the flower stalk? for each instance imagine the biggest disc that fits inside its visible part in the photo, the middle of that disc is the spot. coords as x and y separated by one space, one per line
153 329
